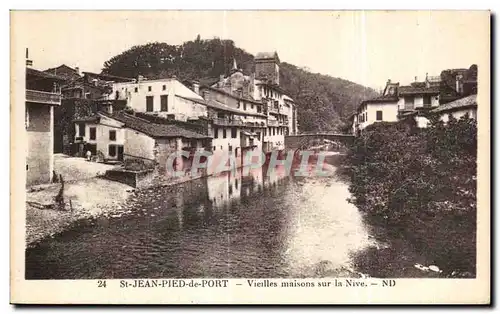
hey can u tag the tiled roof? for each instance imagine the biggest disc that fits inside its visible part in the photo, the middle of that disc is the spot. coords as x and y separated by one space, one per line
466 102
155 130
220 106
266 55
196 100
222 91
33 72
60 67
273 86
384 98
79 83
412 90
109 76
92 118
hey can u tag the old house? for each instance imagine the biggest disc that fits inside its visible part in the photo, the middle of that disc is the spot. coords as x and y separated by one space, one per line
417 99
266 111
167 98
378 109
100 134
281 109
83 95
458 83
458 108
66 72
153 143
43 93
236 124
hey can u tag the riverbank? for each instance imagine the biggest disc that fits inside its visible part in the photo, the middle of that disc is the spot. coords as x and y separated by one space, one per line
83 200
417 188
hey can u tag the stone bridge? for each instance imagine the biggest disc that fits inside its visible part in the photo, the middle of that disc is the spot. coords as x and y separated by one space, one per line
309 140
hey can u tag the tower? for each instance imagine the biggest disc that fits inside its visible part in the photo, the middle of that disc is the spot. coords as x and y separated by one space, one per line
267 67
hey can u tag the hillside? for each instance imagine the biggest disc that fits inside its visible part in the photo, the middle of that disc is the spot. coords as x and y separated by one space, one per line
323 101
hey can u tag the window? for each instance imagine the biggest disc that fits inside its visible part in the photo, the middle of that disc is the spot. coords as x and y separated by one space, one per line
149 88
409 101
81 129
214 148
259 109
244 106
164 102
136 90
427 101
230 148
224 135
379 115
149 103
164 87
112 135
274 131
27 117
258 135
265 132
216 132
251 106
92 134
234 133
112 150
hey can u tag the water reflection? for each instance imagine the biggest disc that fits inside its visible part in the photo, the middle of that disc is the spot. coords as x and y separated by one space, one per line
248 223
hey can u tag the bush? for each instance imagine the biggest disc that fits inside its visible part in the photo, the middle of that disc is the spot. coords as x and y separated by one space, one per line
420 184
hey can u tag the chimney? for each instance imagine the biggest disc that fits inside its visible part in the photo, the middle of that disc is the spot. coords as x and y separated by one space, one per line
29 63
206 94
77 69
416 78
140 78
196 87
458 83
389 81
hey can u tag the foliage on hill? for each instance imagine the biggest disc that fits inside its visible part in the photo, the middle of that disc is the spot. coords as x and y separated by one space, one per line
323 101
421 185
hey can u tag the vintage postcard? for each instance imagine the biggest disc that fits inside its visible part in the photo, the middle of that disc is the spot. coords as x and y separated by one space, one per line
250 157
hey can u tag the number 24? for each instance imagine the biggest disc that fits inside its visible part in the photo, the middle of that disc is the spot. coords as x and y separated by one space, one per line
101 283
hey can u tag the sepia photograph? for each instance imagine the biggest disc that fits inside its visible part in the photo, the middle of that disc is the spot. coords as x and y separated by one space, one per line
314 148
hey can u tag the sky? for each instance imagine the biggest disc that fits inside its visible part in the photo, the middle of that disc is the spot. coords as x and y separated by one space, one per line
366 47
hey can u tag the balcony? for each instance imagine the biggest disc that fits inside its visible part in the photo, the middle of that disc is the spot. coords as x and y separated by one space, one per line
255 124
272 123
193 150
228 122
43 97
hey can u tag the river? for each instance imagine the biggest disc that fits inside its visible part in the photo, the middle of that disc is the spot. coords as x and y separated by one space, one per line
257 224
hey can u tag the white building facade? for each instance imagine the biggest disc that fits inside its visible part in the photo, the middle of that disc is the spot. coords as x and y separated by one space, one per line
166 98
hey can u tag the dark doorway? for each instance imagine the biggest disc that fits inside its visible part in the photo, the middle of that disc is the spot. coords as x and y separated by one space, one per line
120 153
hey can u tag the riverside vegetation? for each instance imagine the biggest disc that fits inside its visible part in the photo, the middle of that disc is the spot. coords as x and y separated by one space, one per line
419 185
